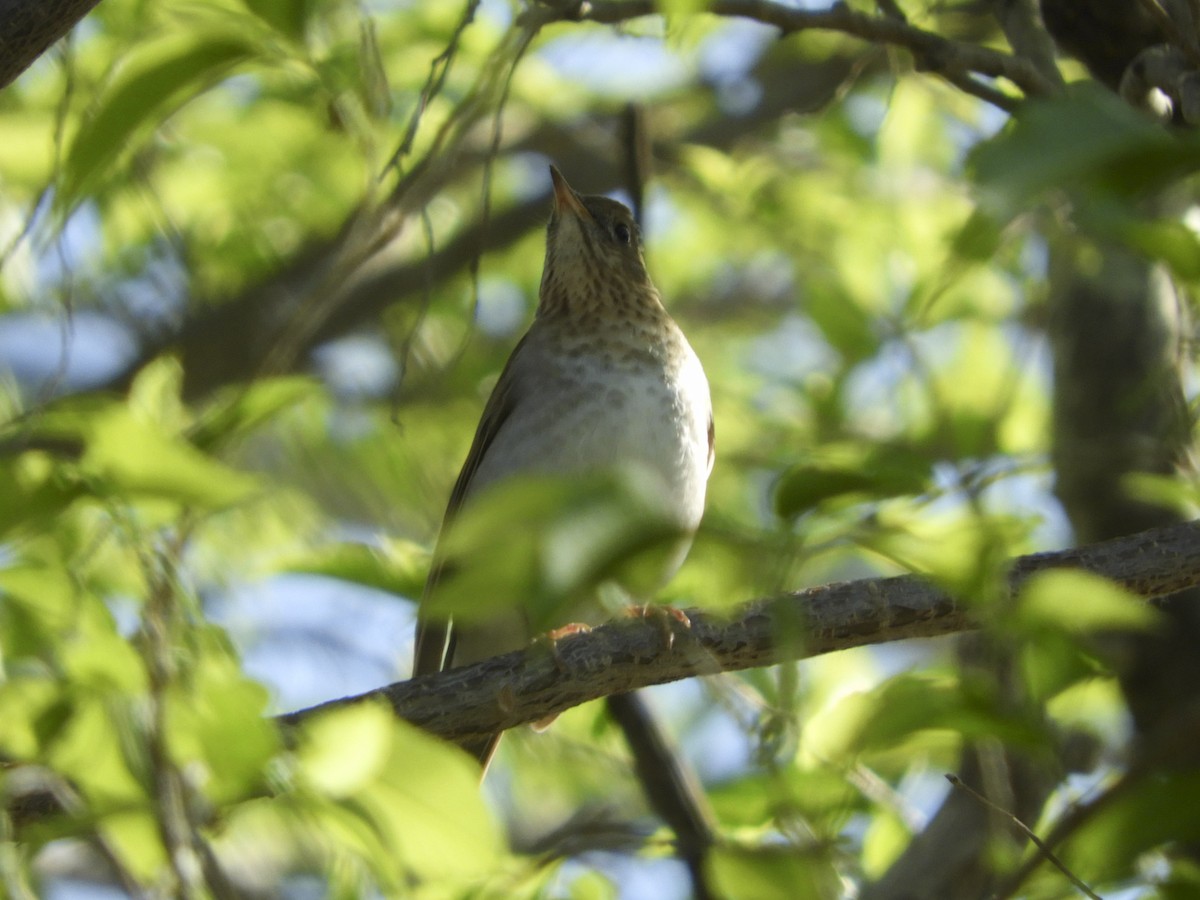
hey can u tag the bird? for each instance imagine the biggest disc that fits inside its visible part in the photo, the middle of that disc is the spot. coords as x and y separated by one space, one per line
603 377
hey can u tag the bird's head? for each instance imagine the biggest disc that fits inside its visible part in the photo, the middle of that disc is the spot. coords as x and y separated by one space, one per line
593 252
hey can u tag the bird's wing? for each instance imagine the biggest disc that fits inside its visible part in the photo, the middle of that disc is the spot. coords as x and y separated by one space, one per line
435 635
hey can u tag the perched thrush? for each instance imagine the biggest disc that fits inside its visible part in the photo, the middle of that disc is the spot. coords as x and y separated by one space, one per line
603 378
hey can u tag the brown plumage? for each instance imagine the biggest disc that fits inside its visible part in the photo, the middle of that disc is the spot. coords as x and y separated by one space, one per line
603 378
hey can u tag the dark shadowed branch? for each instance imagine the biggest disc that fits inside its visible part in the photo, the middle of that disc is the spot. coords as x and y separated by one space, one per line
29 27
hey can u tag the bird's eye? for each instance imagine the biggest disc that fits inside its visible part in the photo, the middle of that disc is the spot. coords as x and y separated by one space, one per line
622 233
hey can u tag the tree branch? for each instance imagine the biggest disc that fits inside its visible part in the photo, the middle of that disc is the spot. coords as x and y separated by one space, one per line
242 337
270 326
29 27
529 685
934 51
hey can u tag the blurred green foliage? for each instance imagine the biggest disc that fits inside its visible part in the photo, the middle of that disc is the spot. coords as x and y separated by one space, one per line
864 287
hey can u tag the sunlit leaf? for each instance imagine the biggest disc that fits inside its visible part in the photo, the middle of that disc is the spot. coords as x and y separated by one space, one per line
25 704
1079 602
96 748
38 604
158 79
397 567
217 722
438 820
345 749
419 795
136 840
883 718
773 872
962 553
534 543
135 457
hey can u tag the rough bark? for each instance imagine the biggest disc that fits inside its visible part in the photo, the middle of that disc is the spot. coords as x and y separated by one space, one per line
29 27
526 686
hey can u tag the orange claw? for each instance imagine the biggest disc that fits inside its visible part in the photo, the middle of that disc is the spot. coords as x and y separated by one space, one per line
568 630
662 613
554 636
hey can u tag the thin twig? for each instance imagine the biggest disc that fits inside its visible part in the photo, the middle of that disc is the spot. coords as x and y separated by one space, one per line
1028 832
438 70
969 84
526 38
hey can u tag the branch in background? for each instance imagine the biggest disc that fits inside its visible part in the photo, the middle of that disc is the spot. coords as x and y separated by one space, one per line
29 27
272 326
529 685
1021 22
239 338
1105 35
950 56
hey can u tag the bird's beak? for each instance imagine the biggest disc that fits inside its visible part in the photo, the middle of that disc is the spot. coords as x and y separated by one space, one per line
565 197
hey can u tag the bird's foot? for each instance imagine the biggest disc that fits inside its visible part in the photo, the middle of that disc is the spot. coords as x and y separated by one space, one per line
551 638
665 615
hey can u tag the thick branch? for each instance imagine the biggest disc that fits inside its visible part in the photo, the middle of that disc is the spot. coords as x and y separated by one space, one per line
526 686
29 27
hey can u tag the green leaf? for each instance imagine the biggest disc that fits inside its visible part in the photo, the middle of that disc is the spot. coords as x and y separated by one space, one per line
766 873
135 837
399 567
216 724
97 748
851 472
1088 138
240 410
670 8
535 542
97 656
288 17
345 749
843 323
438 819
1078 602
1162 809
419 795
904 706
158 79
754 800
978 239
886 838
26 704
33 492
135 457
38 603
882 472
1172 242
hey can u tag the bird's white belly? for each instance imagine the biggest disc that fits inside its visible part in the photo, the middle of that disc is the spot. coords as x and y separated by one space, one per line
582 414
